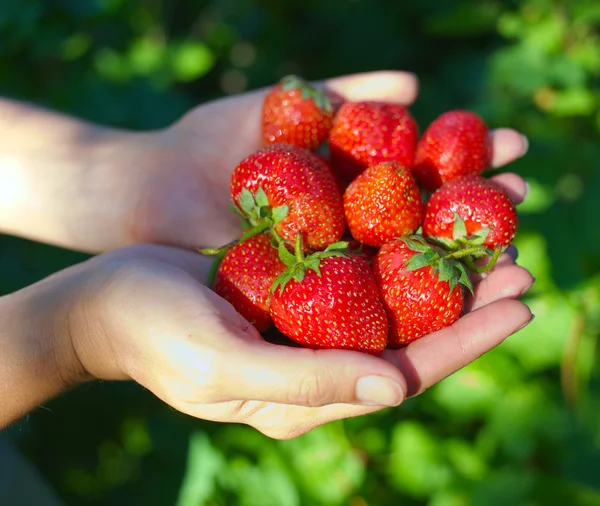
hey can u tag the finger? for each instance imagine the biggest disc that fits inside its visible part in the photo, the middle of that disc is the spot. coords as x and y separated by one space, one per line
194 264
507 146
513 185
436 356
389 86
257 370
508 282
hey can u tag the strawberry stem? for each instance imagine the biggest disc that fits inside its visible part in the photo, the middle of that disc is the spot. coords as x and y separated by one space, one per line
467 252
261 227
489 266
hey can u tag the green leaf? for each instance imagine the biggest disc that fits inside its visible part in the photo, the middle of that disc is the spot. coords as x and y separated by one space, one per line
416 245
417 262
446 270
459 230
281 281
299 275
314 263
260 197
338 246
246 201
479 238
285 256
464 277
279 213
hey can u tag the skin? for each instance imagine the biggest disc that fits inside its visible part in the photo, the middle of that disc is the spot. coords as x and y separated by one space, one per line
144 313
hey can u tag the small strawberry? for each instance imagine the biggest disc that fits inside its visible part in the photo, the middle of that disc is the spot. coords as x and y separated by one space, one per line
245 276
291 190
456 144
296 113
382 203
420 289
471 211
367 133
329 300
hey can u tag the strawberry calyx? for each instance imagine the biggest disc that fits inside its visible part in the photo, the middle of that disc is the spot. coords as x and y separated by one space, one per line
298 263
445 266
469 247
258 217
294 82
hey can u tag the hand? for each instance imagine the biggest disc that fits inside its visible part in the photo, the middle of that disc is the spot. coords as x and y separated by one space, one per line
143 313
192 185
169 186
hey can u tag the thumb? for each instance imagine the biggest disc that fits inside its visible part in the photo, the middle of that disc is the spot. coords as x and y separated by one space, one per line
262 371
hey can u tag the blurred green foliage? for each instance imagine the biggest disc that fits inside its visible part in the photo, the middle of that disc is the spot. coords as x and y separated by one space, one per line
521 426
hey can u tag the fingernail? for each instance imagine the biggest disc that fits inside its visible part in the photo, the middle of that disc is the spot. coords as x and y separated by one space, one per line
526 323
525 144
379 391
526 289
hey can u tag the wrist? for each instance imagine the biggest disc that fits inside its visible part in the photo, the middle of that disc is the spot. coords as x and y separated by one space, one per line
37 361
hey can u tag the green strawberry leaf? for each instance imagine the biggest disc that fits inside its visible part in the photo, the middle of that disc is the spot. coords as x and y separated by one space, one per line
246 201
314 264
338 246
417 262
261 198
299 275
445 242
279 213
446 270
285 256
464 277
281 281
479 238
416 245
459 230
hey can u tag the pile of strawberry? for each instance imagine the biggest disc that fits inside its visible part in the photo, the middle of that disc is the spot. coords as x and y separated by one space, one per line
368 243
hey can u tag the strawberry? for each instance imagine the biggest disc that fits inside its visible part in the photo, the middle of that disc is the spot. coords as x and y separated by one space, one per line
367 133
245 276
420 289
292 190
471 211
382 203
296 113
456 144
329 300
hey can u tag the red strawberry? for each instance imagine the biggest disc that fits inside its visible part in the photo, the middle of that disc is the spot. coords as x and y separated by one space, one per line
471 210
296 113
456 144
245 276
420 290
330 300
290 189
382 203
367 133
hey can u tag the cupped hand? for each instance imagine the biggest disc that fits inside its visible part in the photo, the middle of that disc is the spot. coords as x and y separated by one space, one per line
177 179
144 313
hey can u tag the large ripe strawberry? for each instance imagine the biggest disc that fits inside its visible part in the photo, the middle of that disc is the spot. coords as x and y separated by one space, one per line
471 211
245 276
291 189
382 203
454 145
420 289
367 133
296 113
329 300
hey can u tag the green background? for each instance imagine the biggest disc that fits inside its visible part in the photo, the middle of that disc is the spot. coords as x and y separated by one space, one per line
521 426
